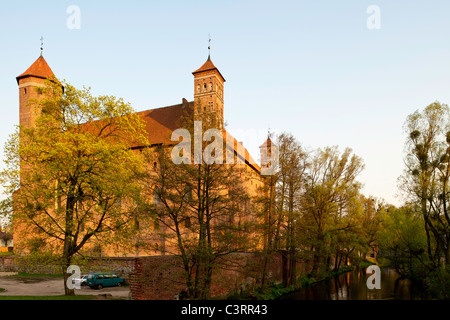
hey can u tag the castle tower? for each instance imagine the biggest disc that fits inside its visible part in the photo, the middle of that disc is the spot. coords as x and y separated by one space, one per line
33 77
269 157
208 94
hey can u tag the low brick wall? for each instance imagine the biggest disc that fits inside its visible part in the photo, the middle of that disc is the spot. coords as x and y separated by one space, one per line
123 267
162 277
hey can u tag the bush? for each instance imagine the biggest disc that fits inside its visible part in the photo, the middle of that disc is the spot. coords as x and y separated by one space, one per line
439 284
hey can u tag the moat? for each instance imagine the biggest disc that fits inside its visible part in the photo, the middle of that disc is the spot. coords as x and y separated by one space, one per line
352 286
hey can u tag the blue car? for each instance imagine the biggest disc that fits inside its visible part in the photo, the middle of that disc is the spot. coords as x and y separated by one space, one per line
100 280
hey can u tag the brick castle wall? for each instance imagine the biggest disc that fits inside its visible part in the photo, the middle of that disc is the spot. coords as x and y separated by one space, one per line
162 277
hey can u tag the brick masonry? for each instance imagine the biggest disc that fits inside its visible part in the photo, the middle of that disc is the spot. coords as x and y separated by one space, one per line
120 265
162 277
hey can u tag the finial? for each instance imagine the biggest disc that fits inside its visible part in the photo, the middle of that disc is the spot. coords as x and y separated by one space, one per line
42 45
209 47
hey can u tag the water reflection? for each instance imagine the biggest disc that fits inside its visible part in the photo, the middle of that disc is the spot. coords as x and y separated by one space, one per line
352 286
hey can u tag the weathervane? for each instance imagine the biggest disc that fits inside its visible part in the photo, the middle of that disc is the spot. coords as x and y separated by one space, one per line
209 46
42 45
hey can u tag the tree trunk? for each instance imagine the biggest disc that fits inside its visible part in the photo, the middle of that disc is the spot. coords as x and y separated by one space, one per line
66 264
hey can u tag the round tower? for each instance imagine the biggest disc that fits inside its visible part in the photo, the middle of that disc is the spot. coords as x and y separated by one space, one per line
33 77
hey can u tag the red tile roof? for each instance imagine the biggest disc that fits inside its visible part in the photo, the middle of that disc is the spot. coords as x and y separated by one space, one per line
161 122
39 69
207 66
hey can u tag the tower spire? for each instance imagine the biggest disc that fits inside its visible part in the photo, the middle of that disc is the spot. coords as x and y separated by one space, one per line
209 47
42 45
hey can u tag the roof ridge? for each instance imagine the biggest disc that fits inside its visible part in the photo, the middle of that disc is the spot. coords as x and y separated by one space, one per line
171 106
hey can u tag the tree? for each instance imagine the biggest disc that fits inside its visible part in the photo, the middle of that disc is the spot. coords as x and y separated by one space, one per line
201 204
403 241
330 190
292 167
71 176
427 175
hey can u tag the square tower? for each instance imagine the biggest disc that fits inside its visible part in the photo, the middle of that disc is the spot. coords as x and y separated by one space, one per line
208 92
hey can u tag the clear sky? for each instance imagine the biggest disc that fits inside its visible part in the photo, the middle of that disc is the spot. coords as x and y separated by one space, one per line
311 68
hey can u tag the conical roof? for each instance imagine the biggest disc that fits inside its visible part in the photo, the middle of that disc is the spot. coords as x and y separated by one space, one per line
39 69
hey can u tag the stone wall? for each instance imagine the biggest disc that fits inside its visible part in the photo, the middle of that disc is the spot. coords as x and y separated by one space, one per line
7 263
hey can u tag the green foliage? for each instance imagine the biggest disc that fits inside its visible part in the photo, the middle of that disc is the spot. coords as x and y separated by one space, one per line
268 293
67 173
403 242
438 283
427 175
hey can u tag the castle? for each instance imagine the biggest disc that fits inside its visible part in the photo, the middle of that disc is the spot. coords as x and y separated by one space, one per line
160 122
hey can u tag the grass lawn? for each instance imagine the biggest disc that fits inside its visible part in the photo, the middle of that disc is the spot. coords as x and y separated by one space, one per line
61 297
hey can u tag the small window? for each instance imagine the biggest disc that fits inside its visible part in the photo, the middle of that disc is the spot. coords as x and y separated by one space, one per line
211 86
199 88
204 86
24 90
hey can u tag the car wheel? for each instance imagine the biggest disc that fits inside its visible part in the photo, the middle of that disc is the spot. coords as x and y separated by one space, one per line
119 284
100 287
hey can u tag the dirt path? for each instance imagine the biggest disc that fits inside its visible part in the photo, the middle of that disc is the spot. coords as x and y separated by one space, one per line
42 286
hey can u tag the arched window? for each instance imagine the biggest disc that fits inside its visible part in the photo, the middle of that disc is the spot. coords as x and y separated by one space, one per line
199 88
204 86
211 87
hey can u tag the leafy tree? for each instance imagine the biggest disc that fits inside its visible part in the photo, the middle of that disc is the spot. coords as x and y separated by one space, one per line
292 167
201 207
403 241
330 191
427 175
71 176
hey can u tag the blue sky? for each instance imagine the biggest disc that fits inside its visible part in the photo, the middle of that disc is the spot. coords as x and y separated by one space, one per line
311 68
